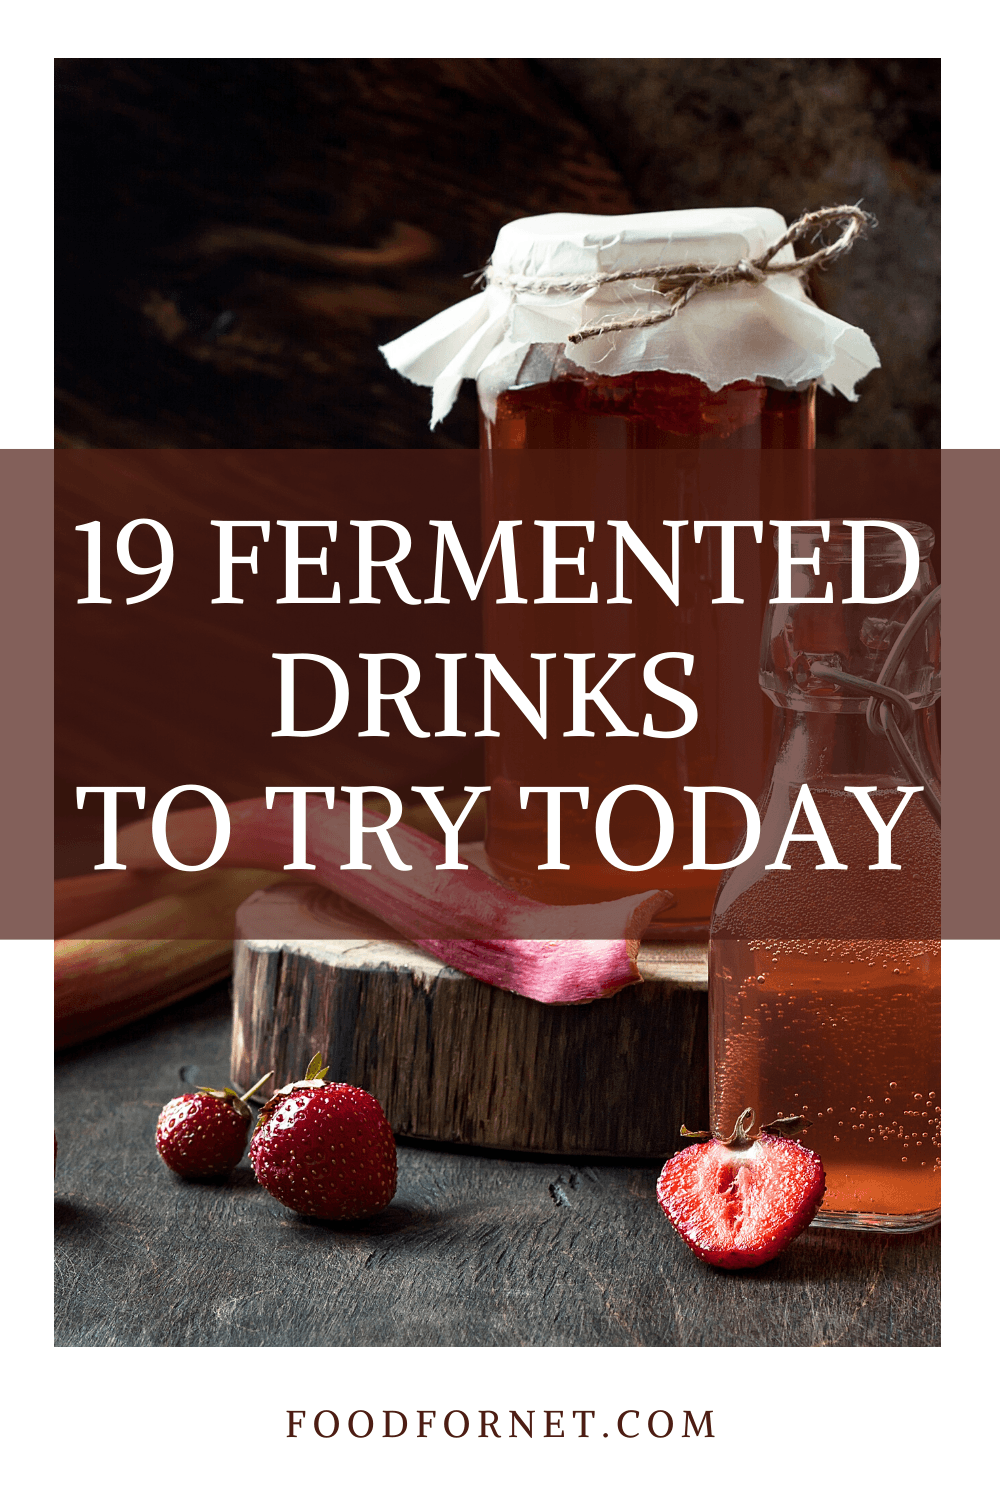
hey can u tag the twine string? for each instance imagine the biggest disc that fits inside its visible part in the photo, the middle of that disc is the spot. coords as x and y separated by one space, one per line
680 283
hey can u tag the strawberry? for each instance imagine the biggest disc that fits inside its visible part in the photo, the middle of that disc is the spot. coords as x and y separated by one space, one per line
325 1149
740 1201
205 1133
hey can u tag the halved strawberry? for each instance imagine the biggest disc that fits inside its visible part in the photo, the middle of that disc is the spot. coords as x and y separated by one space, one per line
739 1202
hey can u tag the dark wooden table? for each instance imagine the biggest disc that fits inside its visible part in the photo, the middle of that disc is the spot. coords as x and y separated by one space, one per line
475 1249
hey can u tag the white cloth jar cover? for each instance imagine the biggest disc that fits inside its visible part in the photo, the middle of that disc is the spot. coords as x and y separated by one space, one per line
768 329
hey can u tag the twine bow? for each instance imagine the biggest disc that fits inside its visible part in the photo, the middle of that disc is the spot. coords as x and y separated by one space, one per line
681 283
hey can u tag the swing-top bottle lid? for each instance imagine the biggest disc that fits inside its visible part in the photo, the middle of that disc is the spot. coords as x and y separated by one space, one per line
846 615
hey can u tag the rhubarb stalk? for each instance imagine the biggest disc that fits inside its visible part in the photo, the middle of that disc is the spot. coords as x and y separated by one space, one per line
138 960
104 982
463 917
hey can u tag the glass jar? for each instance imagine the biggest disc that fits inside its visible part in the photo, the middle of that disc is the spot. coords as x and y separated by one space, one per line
824 983
636 368
635 447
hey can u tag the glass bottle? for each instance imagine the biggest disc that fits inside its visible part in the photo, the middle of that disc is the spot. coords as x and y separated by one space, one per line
570 444
824 984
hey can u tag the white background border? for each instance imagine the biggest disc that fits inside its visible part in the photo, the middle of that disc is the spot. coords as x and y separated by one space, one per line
861 1421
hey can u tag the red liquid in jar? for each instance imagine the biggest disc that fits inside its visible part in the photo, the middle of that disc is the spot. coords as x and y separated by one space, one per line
638 436
651 409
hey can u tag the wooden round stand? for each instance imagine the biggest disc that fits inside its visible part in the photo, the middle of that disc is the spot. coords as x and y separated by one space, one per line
451 1059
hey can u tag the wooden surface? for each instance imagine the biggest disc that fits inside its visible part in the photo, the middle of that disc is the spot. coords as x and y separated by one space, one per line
458 1061
475 1249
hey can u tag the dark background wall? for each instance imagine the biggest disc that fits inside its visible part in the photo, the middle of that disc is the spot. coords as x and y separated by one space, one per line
236 237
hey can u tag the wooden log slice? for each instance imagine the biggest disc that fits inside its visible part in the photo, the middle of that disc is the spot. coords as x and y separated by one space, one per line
454 1060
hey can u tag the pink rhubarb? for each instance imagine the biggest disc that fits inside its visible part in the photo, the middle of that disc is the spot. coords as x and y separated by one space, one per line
463 917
